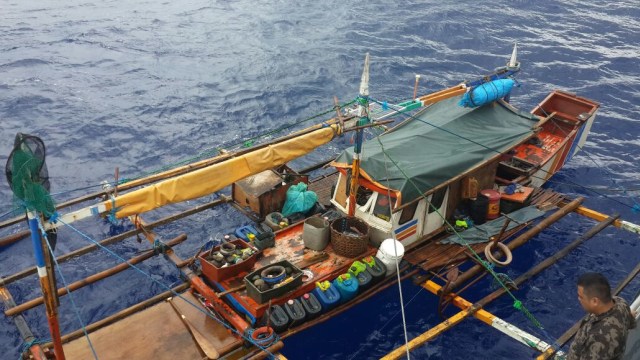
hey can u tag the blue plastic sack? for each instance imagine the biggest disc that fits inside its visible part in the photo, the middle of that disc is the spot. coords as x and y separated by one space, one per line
299 199
487 92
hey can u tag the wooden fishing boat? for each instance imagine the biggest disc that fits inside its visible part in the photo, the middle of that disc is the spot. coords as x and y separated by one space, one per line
451 185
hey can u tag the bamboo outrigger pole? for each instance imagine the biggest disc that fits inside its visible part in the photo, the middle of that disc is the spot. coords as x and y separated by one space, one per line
93 278
473 309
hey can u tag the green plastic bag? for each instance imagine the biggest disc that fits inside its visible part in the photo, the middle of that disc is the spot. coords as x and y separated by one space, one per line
299 199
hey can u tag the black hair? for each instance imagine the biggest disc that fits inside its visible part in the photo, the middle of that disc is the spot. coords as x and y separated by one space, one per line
595 285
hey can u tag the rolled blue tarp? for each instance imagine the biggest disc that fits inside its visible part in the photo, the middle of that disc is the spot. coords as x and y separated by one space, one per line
487 93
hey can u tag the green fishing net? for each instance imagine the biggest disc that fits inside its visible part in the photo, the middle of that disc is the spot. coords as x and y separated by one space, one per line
28 176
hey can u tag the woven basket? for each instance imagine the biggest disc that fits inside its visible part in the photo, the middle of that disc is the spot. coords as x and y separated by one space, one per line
344 240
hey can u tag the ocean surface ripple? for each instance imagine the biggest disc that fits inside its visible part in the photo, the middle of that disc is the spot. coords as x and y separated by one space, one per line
140 85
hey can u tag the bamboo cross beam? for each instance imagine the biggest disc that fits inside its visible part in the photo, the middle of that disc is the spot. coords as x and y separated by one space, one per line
493 321
25 332
93 278
622 224
8 240
430 334
470 310
197 283
89 248
520 240
173 172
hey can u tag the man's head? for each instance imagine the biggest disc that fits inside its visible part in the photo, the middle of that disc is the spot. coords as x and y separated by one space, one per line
594 293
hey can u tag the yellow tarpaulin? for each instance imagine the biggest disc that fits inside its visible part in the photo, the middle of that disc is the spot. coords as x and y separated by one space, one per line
210 179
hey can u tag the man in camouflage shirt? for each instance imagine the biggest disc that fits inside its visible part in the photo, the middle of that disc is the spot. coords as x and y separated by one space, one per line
603 333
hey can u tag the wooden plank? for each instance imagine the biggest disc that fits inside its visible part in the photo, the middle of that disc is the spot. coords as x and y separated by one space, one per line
215 333
154 333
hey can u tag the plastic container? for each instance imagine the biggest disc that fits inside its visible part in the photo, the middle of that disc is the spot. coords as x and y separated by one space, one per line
243 232
347 285
311 305
315 233
265 240
274 219
478 209
279 320
295 311
327 294
217 274
376 268
332 215
493 210
359 271
289 283
387 254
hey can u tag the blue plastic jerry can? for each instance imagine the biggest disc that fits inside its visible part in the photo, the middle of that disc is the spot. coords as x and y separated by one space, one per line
347 285
244 231
327 295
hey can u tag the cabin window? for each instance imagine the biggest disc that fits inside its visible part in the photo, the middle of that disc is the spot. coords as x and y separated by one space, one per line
436 200
363 195
382 209
408 213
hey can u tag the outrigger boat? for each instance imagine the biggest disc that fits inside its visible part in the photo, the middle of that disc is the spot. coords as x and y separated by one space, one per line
457 183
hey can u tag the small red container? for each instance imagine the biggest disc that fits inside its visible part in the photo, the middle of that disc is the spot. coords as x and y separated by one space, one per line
214 273
493 210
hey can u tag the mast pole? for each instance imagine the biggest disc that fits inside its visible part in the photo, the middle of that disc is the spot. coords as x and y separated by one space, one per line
363 113
46 284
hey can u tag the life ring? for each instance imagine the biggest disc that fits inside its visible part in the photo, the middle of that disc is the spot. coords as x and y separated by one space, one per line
505 250
273 274
227 249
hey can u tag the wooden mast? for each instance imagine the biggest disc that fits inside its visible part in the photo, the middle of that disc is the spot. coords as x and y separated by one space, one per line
363 113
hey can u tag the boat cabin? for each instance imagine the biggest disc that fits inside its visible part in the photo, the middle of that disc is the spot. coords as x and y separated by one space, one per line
419 173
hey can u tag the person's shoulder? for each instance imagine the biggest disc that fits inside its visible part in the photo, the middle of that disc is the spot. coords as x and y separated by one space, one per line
618 301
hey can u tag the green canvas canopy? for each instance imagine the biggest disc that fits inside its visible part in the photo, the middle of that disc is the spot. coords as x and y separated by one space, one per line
439 143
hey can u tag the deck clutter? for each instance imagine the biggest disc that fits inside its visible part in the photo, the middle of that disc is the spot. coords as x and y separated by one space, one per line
457 182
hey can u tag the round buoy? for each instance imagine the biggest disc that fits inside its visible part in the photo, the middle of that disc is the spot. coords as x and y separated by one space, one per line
505 250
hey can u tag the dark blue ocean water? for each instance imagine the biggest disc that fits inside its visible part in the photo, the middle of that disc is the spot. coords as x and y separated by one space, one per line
142 84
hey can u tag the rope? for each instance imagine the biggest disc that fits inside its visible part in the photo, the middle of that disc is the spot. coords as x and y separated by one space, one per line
64 282
395 250
175 293
27 345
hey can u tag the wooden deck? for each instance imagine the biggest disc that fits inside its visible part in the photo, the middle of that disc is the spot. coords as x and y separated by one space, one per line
434 256
157 332
290 246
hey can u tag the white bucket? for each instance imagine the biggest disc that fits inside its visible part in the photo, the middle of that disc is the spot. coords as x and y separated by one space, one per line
387 254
